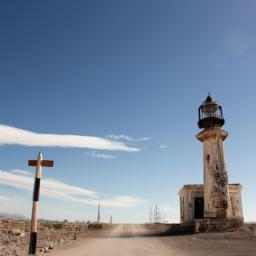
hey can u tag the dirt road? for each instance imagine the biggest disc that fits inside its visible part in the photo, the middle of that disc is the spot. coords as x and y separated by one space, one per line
137 240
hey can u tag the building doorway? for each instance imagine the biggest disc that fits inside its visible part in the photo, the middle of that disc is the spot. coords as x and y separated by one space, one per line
199 208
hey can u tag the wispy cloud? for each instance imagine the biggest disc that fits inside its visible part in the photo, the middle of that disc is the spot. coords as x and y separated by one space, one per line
15 136
168 208
121 201
127 138
4 198
17 171
163 146
15 205
57 189
50 187
93 154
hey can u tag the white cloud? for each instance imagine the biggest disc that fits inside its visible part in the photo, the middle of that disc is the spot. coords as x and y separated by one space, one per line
127 138
4 198
25 173
119 201
123 201
170 213
168 208
14 205
163 146
98 155
50 187
16 180
15 136
57 189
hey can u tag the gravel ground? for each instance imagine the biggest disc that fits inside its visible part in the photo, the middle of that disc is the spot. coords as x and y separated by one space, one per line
137 240
124 240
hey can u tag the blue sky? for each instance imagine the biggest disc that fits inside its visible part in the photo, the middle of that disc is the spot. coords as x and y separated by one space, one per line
133 68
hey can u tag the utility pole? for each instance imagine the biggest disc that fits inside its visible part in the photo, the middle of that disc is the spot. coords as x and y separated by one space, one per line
39 163
98 216
156 214
150 216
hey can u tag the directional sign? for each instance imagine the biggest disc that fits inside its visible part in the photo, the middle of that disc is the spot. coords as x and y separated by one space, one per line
44 163
39 163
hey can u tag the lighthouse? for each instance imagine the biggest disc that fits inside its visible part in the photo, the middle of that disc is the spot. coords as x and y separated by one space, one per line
216 204
216 194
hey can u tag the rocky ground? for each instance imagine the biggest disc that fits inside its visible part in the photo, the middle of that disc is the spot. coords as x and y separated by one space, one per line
14 236
80 239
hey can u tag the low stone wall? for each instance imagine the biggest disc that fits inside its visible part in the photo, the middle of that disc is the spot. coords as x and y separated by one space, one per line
207 225
14 235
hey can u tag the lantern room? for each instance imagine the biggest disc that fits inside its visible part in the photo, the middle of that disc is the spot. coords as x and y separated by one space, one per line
210 114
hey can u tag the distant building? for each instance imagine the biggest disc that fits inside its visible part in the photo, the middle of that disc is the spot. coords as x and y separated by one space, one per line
216 204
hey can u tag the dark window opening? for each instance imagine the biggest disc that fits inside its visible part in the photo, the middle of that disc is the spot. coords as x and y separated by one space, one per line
199 208
208 158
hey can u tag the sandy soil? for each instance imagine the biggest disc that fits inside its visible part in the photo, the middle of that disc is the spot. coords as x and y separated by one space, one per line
138 240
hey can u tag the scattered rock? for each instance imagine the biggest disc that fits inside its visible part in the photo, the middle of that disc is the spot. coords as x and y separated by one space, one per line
15 232
14 235
22 234
51 247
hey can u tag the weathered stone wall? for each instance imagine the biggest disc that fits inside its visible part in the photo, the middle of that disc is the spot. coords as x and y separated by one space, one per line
235 202
187 202
207 225
188 193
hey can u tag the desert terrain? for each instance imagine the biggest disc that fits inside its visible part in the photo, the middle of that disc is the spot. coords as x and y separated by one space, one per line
129 239
139 240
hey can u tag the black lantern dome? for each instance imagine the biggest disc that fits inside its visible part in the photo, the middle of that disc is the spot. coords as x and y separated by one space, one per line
210 114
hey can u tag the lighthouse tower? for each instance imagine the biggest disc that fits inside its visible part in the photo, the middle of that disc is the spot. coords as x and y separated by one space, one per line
216 204
216 191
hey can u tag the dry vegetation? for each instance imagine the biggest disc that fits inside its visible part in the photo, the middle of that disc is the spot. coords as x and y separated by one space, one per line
14 236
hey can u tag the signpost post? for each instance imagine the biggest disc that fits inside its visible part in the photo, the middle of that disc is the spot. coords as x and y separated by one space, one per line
39 163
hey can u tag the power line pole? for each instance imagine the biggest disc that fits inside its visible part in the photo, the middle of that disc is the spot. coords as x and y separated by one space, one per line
150 216
156 214
98 216
39 163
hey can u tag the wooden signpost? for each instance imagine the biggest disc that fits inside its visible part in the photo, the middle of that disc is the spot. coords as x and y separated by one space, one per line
39 163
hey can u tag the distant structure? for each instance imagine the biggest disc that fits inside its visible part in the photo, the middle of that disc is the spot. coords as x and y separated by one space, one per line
157 217
98 216
216 204
150 216
111 220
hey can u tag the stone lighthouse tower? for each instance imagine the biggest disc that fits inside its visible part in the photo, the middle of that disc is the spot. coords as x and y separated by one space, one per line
216 191
216 204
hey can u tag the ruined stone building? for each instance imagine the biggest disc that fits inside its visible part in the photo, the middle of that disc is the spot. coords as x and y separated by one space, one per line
216 204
